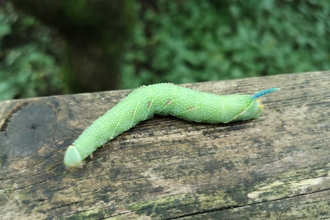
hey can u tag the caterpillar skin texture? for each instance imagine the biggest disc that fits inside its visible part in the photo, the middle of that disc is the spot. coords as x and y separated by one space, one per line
162 99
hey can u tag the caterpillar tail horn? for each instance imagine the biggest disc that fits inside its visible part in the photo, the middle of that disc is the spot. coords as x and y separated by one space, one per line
264 92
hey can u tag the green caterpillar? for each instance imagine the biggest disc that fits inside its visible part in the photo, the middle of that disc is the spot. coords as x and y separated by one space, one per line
162 99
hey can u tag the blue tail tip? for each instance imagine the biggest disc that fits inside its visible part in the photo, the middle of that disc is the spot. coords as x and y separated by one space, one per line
264 92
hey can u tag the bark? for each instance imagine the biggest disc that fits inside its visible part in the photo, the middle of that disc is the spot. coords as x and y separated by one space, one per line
274 167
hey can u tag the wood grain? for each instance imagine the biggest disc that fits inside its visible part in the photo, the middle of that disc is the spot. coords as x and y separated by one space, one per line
275 167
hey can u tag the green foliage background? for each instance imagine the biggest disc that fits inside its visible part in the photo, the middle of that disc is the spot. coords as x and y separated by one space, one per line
181 41
189 41
27 69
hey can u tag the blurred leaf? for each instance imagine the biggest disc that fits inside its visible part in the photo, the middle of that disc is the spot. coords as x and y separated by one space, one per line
26 70
4 30
189 41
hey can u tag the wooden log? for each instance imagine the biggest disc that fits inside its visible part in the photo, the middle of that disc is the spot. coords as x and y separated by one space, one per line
275 167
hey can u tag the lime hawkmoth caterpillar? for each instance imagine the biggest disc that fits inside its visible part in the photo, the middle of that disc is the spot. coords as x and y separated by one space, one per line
162 99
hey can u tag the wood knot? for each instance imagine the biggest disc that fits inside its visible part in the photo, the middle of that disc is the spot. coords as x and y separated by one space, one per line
28 127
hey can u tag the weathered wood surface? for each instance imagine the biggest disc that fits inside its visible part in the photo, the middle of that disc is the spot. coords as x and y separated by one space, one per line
275 167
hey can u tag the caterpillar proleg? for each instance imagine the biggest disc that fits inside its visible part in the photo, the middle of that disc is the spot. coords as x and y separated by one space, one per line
162 99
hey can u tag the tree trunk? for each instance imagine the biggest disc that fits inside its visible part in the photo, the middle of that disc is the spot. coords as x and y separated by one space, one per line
96 33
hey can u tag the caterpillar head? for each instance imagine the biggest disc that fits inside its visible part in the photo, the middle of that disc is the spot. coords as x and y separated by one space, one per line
72 157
